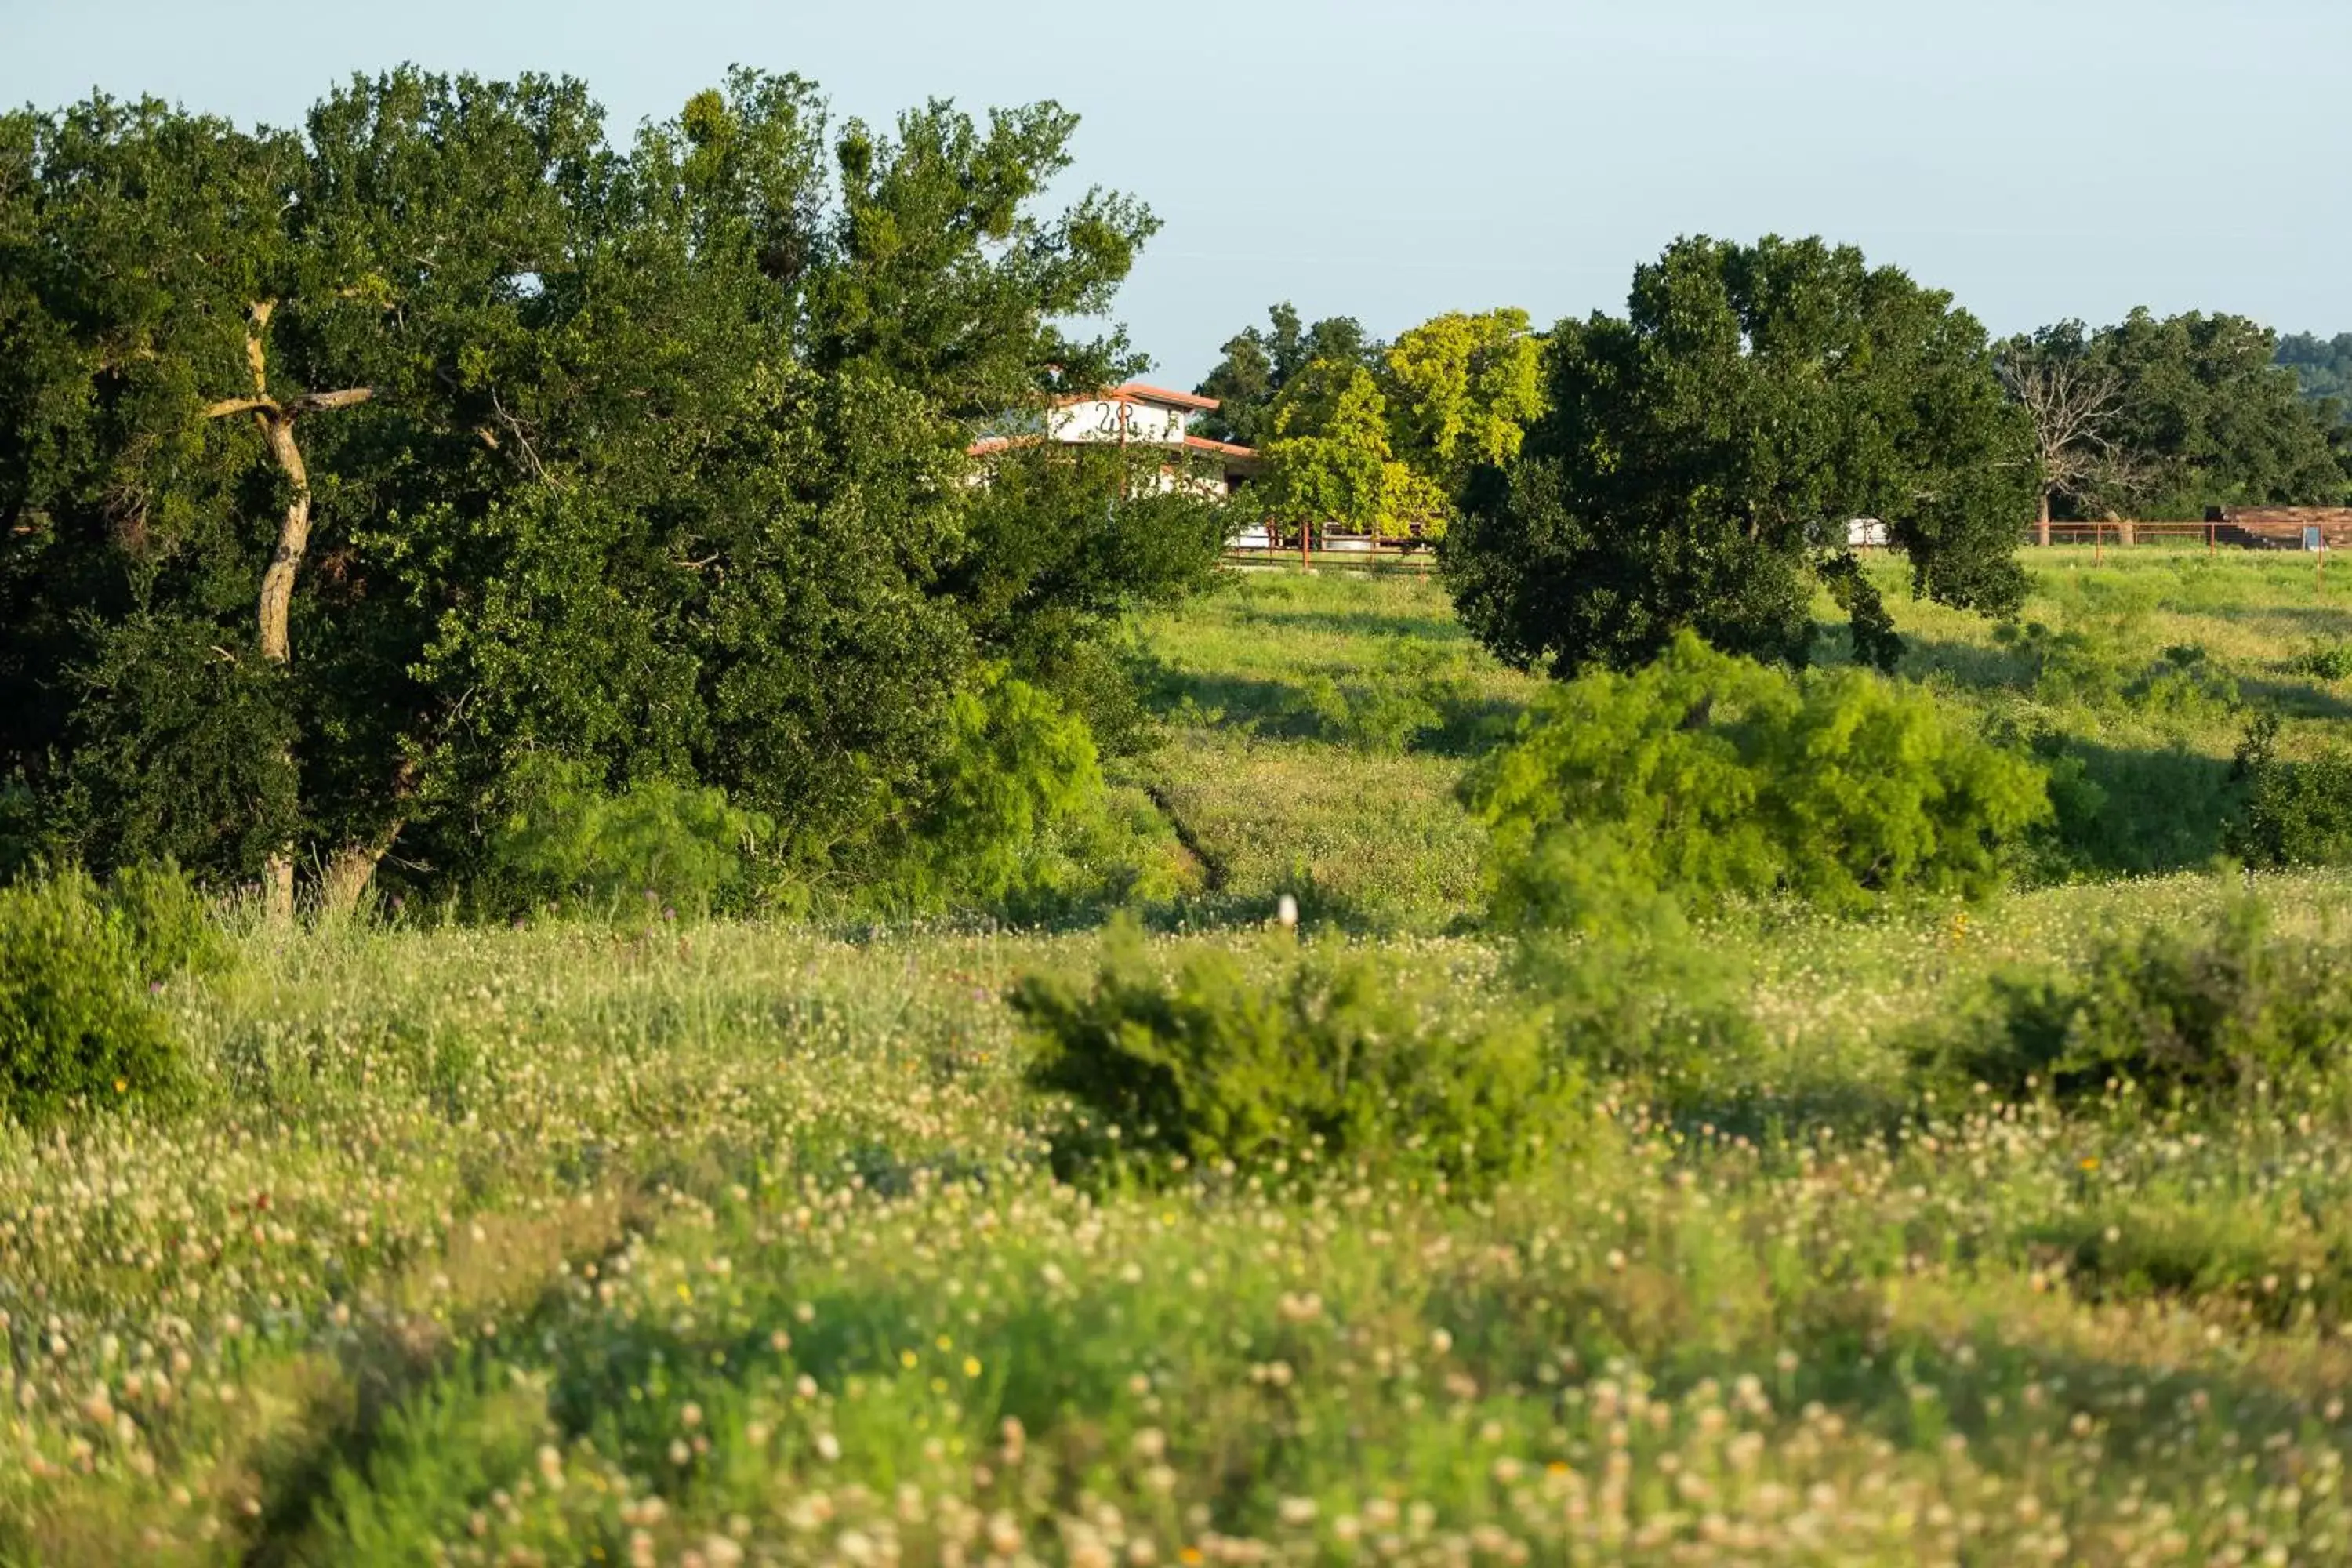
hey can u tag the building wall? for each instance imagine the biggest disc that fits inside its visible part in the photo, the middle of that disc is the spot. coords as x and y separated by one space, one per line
1104 419
1169 480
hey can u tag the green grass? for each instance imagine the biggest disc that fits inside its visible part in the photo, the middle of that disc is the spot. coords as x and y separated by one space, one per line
1277 801
739 1243
1274 800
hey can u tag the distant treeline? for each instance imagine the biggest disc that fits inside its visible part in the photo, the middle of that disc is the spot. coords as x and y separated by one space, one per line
2165 418
2151 416
1694 463
2323 365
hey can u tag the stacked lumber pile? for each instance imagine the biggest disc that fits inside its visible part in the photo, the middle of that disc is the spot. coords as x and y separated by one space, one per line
2282 527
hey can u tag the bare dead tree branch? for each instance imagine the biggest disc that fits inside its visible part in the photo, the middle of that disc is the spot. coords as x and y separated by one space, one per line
327 402
309 403
522 440
2073 405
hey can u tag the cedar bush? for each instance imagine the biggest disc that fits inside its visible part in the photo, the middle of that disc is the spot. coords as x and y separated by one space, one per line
2292 810
1333 1057
567 842
2323 662
2173 1011
1707 778
78 1026
169 923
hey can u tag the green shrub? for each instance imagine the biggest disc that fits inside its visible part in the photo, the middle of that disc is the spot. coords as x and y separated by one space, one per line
440 1454
1650 999
2127 810
2325 661
2292 811
2182 1245
1413 693
1113 684
169 923
1122 850
1018 762
2183 689
76 1021
2097 668
2070 666
1334 1058
1016 818
1706 778
565 840
2170 1011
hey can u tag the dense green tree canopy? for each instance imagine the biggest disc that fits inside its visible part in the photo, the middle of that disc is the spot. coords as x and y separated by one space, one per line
1461 390
2322 366
1702 457
2165 418
652 459
1060 544
1260 361
1329 462
1371 437
2210 417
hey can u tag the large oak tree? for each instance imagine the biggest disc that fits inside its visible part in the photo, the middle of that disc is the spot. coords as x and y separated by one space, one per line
343 473
1703 455
2212 418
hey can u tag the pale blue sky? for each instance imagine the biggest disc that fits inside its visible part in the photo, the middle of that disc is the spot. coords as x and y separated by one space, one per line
2039 158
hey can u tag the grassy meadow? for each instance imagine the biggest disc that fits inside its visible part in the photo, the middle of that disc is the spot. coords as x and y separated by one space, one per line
1293 760
721 1243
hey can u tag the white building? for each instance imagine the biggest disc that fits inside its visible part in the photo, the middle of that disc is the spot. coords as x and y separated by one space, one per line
1140 414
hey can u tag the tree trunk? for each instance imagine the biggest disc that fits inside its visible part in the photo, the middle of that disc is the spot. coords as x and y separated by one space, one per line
348 874
2044 538
277 599
293 539
276 422
277 888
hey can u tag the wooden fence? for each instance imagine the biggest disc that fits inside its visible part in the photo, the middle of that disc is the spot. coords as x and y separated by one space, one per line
2212 536
1322 548
1319 549
2100 536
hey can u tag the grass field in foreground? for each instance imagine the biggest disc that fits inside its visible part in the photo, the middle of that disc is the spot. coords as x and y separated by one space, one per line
739 1244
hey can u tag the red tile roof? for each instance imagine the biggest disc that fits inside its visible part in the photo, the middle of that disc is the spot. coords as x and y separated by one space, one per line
1138 391
1202 444
1146 393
